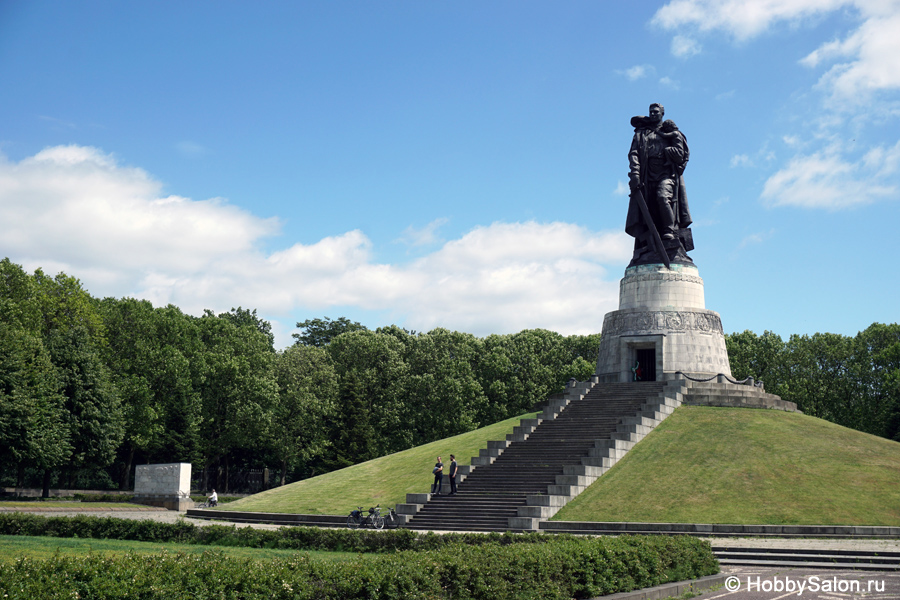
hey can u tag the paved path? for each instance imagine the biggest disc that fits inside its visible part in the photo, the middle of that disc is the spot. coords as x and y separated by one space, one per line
171 516
157 514
748 583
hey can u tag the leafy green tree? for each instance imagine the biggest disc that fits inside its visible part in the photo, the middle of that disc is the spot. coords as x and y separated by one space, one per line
65 305
176 375
248 318
880 378
149 353
72 332
33 428
821 377
320 332
237 388
372 375
761 357
353 432
522 369
442 394
20 305
307 399
93 410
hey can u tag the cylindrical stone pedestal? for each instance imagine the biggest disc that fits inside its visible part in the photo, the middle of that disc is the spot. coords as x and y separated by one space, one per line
662 319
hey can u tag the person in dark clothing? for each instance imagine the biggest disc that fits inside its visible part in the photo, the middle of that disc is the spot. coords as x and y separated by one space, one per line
453 469
438 477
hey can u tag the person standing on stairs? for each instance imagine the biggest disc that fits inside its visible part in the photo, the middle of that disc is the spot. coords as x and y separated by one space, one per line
438 477
453 469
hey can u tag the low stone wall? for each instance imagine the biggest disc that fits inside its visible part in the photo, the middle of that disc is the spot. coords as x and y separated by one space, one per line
733 396
724 530
290 519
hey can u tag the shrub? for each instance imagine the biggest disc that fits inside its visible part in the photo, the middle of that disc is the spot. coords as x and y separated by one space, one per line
557 568
404 564
104 497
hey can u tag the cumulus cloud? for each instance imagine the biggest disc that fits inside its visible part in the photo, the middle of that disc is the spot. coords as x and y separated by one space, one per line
75 209
636 72
829 180
741 160
685 47
867 60
190 149
861 72
422 237
740 18
669 83
756 238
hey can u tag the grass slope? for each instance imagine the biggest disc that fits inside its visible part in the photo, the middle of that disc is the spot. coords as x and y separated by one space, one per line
384 481
748 466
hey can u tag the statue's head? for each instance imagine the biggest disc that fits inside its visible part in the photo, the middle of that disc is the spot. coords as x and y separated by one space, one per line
656 112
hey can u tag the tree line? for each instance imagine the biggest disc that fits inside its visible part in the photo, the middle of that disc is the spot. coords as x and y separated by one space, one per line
90 387
852 381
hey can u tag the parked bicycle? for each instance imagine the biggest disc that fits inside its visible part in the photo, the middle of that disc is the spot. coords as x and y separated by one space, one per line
358 519
392 519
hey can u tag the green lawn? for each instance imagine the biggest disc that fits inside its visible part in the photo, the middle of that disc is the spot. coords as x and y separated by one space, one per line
748 466
13 547
384 481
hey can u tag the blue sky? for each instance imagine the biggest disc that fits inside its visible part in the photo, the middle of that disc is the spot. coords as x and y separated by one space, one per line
451 164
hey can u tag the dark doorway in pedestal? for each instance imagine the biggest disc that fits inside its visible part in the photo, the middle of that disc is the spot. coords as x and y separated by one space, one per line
646 358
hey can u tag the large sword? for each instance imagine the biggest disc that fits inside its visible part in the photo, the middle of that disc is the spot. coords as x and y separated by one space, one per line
648 222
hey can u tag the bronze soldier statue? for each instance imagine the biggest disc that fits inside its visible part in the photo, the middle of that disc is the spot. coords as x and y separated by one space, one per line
658 215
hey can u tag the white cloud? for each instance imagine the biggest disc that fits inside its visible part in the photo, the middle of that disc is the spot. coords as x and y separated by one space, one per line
636 72
190 149
422 237
740 18
867 60
859 84
756 238
828 180
726 95
669 83
74 209
622 189
741 160
871 59
74 203
685 47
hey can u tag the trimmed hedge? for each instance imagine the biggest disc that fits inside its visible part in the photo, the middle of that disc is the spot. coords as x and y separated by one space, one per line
405 564
561 568
104 497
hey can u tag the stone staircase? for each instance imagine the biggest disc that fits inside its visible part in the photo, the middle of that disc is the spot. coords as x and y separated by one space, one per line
517 483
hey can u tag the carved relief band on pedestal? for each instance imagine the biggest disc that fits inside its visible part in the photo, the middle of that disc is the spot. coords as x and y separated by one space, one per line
671 276
618 322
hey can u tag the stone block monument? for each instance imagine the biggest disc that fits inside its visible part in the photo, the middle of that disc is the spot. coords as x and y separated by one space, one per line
165 485
662 329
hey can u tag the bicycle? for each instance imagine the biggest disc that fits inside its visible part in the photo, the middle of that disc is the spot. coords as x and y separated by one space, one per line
357 518
392 519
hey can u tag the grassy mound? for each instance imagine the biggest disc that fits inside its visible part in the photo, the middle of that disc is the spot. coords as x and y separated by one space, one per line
746 466
384 481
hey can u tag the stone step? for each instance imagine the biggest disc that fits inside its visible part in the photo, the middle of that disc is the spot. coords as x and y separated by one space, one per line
526 478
